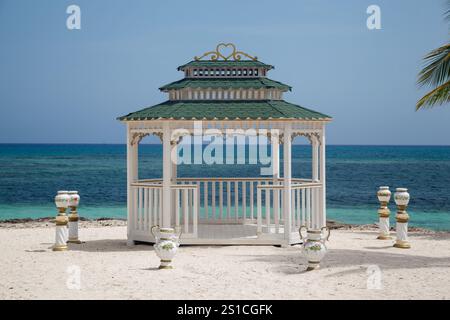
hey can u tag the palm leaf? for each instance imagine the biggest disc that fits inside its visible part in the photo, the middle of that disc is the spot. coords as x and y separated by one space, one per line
437 70
437 96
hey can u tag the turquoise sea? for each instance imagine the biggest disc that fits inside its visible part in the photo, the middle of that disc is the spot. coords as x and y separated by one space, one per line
30 175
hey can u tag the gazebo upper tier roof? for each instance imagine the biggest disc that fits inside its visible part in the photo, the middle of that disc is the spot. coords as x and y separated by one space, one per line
226 83
225 63
225 110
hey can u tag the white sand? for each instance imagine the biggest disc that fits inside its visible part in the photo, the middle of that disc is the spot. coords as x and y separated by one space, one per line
111 270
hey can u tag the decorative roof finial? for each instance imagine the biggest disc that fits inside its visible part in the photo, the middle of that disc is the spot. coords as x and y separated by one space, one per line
221 52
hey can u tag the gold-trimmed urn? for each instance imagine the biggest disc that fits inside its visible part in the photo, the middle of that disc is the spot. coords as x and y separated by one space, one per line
61 233
314 248
401 198
166 245
384 195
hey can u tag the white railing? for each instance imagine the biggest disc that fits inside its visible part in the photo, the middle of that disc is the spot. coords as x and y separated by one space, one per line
305 206
224 201
146 207
229 200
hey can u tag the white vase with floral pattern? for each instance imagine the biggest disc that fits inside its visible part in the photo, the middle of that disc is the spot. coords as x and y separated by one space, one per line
166 245
314 248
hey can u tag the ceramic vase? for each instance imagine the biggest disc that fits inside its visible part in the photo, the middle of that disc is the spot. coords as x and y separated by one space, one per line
314 248
166 245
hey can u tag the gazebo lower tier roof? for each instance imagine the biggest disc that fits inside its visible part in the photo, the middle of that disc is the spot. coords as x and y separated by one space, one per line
230 83
225 110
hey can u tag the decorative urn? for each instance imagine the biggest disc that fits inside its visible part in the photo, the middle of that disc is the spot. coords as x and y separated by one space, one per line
384 195
314 248
74 200
401 198
62 201
166 245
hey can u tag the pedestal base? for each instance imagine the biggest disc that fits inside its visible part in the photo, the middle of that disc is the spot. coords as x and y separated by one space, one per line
76 241
166 264
313 266
402 244
60 248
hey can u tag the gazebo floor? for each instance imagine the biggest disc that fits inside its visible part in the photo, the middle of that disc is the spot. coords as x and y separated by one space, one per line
232 234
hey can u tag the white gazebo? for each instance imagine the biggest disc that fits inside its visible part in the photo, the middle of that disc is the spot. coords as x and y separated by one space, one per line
223 93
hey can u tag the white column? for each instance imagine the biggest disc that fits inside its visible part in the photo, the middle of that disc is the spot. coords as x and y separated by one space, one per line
174 181
315 158
167 168
287 214
275 144
323 199
132 175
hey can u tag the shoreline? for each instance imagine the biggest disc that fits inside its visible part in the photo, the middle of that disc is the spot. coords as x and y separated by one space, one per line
48 222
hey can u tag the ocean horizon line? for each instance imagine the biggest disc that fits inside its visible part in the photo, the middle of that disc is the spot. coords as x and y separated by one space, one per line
159 144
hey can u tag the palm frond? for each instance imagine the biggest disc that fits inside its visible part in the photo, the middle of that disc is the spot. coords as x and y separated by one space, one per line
437 96
447 12
437 70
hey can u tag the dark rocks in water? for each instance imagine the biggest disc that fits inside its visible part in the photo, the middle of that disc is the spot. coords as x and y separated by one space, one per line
24 220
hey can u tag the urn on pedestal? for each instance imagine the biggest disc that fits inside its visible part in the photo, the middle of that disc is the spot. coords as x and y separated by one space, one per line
384 195
401 198
62 202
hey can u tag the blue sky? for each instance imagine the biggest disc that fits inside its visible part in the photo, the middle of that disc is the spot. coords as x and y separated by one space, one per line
59 86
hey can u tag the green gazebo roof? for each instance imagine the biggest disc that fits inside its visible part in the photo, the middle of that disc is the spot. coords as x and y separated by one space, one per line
225 110
226 83
225 63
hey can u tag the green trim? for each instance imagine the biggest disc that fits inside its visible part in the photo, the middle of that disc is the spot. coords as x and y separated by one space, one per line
225 110
222 63
226 83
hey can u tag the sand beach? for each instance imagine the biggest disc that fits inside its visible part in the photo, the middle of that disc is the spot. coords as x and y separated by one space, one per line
357 266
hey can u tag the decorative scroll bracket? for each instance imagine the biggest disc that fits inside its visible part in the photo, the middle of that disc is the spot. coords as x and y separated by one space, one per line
222 52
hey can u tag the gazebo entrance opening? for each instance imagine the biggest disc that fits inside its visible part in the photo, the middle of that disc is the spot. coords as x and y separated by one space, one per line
217 96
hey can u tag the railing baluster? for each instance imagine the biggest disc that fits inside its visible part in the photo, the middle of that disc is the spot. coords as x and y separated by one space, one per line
160 205
308 206
258 211
195 212
276 209
251 201
304 219
135 207
213 199
205 200
267 191
298 208
228 199
244 202
145 226
293 208
177 208
236 200
221 199
185 210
